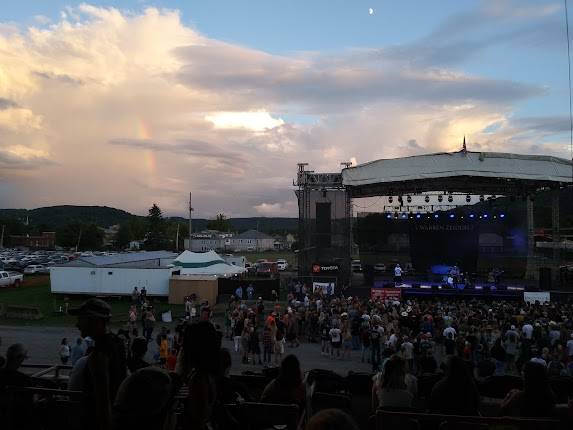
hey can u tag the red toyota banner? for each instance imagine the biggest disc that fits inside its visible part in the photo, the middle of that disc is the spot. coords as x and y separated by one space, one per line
385 293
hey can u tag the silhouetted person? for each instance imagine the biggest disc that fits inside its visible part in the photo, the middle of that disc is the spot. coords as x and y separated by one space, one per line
456 393
536 399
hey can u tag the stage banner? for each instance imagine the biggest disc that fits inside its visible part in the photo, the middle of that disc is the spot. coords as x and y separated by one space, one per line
541 297
326 287
385 293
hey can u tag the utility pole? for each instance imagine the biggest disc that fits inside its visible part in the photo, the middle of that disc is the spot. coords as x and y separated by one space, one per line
190 222
177 239
2 237
79 238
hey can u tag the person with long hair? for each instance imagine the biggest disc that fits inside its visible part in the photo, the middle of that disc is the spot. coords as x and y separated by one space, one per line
456 393
201 355
390 389
288 388
536 399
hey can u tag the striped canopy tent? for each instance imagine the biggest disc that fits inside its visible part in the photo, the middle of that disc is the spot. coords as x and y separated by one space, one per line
205 263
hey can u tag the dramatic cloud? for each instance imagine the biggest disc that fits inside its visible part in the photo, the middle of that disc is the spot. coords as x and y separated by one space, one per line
129 108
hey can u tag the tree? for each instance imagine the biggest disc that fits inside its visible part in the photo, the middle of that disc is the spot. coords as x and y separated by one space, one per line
156 230
124 236
220 223
83 235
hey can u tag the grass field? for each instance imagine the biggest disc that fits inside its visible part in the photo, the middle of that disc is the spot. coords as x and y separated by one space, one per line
35 291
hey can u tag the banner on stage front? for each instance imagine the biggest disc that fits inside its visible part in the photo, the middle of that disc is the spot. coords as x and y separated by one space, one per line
385 293
327 288
541 297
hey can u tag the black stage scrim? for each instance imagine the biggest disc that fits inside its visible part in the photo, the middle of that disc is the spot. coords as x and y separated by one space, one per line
444 242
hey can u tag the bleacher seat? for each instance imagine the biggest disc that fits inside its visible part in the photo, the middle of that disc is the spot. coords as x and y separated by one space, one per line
389 420
320 401
327 381
498 386
359 383
562 386
262 416
426 383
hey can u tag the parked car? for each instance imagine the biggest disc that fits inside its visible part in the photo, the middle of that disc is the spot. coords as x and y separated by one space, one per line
282 264
268 268
380 267
10 278
356 266
36 269
250 268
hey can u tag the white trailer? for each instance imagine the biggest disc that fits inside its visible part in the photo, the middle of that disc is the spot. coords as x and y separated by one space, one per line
116 281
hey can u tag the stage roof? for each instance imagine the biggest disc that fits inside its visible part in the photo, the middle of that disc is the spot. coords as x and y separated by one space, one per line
468 172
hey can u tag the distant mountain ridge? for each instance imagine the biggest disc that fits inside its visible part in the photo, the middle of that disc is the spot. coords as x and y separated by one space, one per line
54 217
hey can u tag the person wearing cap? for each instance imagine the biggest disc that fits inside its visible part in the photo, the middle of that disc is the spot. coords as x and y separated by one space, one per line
105 366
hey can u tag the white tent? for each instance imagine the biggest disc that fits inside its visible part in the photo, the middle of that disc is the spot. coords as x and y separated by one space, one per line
205 263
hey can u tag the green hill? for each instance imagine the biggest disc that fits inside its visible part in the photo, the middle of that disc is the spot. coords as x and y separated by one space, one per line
54 217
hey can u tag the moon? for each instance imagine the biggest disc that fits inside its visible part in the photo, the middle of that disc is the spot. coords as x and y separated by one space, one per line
371 11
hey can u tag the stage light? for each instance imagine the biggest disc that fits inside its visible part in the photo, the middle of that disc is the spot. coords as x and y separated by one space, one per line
390 199
427 199
485 215
440 198
480 217
395 214
450 198
404 216
472 216
388 216
436 216
502 215
409 199
468 198
452 216
418 216
481 198
495 217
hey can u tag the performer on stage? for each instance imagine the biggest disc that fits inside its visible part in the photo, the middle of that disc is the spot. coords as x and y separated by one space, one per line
397 275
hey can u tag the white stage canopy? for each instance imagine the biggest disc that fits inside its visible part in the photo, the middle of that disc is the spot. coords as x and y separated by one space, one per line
536 168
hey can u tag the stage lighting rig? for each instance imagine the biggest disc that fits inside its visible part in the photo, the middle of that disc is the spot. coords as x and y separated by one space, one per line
468 198
440 198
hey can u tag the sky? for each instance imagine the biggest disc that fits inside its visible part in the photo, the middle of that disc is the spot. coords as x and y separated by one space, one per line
129 103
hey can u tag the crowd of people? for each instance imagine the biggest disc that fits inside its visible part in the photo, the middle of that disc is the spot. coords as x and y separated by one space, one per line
403 340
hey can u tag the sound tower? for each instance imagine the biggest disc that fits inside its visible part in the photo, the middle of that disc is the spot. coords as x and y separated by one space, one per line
323 225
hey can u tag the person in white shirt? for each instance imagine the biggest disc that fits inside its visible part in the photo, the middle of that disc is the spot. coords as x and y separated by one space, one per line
335 339
570 347
449 330
397 274
408 354
527 331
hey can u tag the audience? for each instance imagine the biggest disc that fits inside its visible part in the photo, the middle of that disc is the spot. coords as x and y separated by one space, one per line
403 338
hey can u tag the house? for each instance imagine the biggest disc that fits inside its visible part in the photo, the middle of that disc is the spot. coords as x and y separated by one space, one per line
47 240
209 240
252 240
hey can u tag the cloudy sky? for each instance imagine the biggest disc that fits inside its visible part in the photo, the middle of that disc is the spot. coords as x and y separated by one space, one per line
132 102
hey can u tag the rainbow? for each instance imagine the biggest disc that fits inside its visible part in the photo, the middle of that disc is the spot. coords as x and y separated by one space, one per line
144 132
